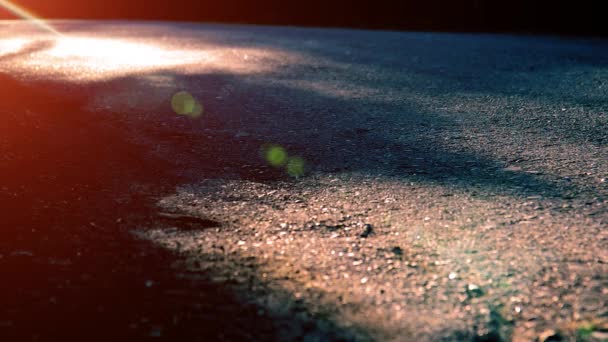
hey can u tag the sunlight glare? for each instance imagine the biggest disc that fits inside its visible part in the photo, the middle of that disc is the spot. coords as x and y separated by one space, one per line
10 46
113 54
27 15
86 58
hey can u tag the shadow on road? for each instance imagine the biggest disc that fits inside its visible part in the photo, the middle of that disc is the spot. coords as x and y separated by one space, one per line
72 189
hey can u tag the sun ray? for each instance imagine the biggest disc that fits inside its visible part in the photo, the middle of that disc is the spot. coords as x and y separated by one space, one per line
27 15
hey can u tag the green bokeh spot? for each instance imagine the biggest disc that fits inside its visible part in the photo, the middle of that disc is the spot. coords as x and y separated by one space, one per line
276 156
295 166
183 103
197 111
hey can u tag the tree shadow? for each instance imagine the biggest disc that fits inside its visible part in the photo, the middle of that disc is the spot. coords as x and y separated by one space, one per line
72 190
519 72
401 141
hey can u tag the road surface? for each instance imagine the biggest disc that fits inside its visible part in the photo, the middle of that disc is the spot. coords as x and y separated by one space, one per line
217 182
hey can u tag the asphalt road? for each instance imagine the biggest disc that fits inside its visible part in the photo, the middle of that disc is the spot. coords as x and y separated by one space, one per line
210 182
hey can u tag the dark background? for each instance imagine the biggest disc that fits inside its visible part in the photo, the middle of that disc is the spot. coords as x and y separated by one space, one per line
529 16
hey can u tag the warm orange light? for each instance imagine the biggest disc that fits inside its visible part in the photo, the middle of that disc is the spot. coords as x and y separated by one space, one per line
27 15
102 55
85 58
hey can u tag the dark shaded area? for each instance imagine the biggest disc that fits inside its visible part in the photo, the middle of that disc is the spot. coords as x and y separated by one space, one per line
337 134
580 17
187 221
72 188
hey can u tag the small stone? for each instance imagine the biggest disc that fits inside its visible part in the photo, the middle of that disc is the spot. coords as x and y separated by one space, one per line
368 229
241 134
364 280
452 276
600 335
474 291
549 335
512 168
22 253
149 283
156 332
4 324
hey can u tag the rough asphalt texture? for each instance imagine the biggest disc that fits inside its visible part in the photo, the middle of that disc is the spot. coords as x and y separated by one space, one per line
455 185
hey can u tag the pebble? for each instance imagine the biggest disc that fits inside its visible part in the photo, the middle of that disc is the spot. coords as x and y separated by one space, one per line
600 335
368 229
155 332
474 291
241 134
512 169
22 253
549 335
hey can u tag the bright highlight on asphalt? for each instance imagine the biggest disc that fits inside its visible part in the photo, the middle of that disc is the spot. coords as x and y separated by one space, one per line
27 15
81 58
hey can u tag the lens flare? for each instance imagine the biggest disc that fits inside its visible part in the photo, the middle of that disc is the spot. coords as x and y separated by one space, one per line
295 167
183 103
27 15
276 155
